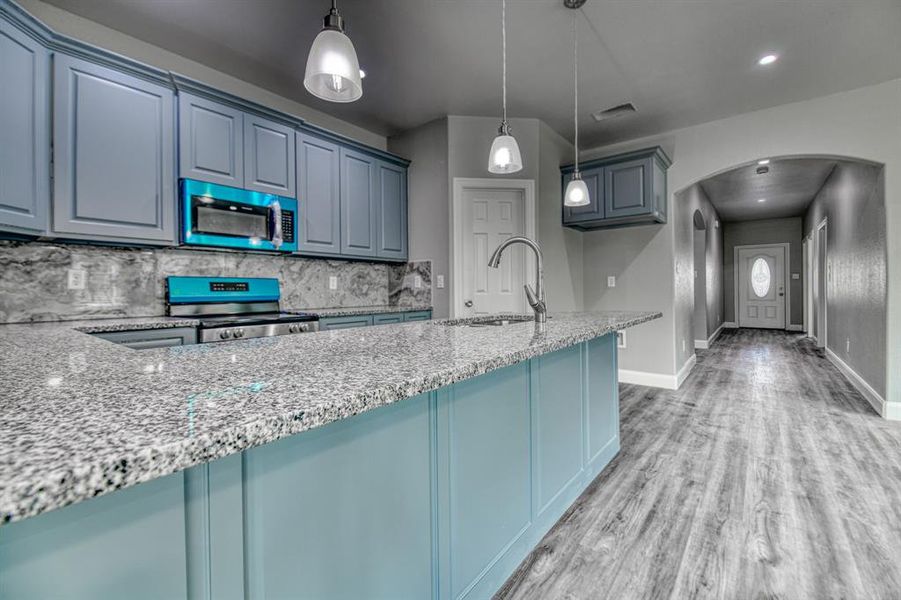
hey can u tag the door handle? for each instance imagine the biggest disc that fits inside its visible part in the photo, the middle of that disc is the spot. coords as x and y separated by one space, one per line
277 237
468 304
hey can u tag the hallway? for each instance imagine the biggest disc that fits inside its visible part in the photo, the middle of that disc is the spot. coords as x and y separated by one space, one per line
765 475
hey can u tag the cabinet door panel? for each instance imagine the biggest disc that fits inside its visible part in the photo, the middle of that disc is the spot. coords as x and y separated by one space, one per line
626 187
603 402
594 210
268 156
392 213
318 197
24 132
113 154
210 141
359 204
343 511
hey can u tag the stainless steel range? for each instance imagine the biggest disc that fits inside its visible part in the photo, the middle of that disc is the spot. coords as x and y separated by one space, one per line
231 308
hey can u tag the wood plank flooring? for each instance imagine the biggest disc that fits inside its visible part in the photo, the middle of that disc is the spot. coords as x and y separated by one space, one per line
765 476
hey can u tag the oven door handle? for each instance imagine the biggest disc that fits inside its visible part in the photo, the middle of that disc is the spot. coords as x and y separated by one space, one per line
277 234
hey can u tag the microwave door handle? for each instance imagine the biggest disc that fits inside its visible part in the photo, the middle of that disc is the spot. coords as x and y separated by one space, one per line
277 237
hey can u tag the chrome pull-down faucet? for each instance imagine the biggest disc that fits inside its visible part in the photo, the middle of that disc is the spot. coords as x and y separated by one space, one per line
536 296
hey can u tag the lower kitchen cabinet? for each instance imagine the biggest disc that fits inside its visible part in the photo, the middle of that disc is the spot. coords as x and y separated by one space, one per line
113 155
24 132
439 496
332 323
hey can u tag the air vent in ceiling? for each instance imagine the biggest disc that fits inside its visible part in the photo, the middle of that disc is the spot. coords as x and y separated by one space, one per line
611 113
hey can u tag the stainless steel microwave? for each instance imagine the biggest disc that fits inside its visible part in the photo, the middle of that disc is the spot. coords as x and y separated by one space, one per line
227 217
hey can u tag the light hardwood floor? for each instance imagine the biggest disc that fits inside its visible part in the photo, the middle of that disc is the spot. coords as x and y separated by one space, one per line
765 476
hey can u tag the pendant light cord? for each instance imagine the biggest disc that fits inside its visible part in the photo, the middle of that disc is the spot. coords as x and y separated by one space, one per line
576 87
504 55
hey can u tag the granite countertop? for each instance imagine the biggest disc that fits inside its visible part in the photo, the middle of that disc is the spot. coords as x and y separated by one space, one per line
81 416
353 311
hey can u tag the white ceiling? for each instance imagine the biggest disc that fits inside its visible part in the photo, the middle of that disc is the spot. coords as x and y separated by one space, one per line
788 189
681 62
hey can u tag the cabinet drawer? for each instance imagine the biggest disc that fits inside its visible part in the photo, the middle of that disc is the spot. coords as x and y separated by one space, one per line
387 318
145 339
422 315
332 323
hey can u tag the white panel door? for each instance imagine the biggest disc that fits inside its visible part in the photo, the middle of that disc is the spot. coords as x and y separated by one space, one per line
761 287
489 217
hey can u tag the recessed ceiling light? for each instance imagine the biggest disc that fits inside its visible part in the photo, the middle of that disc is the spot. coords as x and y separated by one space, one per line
765 161
767 59
761 199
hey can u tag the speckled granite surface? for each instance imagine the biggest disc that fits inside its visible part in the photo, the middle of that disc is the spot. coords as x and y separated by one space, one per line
360 310
81 416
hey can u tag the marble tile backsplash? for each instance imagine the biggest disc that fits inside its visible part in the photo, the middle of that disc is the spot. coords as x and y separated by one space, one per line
129 282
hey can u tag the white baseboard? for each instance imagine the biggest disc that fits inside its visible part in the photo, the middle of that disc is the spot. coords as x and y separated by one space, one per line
794 327
685 370
893 411
730 325
701 344
873 397
705 344
658 380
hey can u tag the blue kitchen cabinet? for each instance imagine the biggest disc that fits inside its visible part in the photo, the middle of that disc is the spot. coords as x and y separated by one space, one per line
594 210
343 512
388 319
113 155
332 323
269 164
210 138
420 315
126 544
318 197
392 211
628 189
359 204
24 132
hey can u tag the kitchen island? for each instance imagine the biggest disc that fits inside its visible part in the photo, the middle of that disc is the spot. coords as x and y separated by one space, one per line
404 461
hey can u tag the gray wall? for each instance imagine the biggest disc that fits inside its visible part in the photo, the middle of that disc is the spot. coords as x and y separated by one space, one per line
130 282
853 202
765 231
686 203
458 147
429 210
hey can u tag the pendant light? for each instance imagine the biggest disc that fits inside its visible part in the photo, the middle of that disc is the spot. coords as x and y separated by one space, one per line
333 72
504 156
576 191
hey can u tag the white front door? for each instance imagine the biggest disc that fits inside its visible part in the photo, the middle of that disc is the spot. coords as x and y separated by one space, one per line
489 217
761 287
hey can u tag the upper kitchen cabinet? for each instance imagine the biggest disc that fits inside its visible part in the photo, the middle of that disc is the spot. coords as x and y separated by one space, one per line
628 189
113 154
211 141
268 156
24 132
318 197
225 145
359 204
392 211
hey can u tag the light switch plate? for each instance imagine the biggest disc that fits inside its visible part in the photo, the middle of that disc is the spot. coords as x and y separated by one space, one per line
611 281
77 278
439 282
417 282
796 276
332 282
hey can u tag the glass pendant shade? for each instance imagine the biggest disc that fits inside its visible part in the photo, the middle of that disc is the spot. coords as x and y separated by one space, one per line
333 72
504 156
576 193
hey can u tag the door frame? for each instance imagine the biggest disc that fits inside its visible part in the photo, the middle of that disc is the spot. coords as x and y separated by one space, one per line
822 276
786 275
460 185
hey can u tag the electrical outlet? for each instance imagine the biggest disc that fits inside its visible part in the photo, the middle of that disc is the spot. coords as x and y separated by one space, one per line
620 339
417 282
332 282
77 278
796 276
439 281
611 281
847 345
683 345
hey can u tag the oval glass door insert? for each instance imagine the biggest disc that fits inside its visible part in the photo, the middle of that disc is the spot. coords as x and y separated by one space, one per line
760 277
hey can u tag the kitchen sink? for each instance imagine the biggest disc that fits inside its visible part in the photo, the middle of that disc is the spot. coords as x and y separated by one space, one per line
487 321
